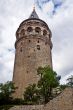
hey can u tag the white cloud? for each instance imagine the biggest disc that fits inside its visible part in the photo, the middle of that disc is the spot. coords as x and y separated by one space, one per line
48 7
64 79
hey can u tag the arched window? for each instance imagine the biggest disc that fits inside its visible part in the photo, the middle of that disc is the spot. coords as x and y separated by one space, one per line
44 32
29 29
22 32
21 49
37 30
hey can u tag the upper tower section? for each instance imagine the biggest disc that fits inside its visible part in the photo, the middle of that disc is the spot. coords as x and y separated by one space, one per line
34 14
34 27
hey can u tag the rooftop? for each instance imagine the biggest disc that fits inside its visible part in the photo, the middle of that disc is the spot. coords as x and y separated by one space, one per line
34 14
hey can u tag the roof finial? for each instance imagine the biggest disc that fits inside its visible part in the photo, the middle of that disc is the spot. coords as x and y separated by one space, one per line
34 6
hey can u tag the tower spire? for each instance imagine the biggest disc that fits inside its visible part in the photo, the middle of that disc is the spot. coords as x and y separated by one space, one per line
34 7
34 14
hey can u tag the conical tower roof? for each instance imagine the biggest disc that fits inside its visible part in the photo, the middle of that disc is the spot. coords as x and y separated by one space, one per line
34 14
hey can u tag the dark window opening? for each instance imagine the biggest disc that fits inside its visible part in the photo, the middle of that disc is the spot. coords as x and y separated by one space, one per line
38 41
45 43
22 32
44 32
29 29
21 49
28 56
27 71
37 30
38 47
29 40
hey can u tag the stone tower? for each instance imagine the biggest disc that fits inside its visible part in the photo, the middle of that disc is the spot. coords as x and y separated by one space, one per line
33 49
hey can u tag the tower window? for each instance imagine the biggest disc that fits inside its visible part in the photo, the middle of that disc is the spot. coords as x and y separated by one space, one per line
28 56
37 30
46 43
21 49
29 40
22 32
38 41
38 47
21 43
29 29
44 32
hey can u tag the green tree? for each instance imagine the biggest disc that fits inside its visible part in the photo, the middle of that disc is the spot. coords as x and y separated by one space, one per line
31 94
48 81
6 91
62 87
70 81
42 92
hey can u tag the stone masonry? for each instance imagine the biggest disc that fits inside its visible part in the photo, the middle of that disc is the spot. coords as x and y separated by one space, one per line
64 101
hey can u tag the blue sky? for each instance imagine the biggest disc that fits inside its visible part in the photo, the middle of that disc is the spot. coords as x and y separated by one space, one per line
58 14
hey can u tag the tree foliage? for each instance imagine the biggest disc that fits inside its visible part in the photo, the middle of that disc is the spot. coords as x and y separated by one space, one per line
6 91
70 81
31 94
42 93
48 81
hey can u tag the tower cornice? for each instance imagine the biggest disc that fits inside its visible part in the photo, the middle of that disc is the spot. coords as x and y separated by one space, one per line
33 19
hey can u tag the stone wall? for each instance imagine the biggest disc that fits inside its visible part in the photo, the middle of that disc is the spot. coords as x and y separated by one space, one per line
62 102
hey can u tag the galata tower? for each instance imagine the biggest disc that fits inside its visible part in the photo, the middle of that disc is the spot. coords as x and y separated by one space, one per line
33 49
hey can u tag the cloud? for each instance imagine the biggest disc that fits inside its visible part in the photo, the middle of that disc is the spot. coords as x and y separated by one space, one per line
49 6
57 3
6 66
58 14
64 79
